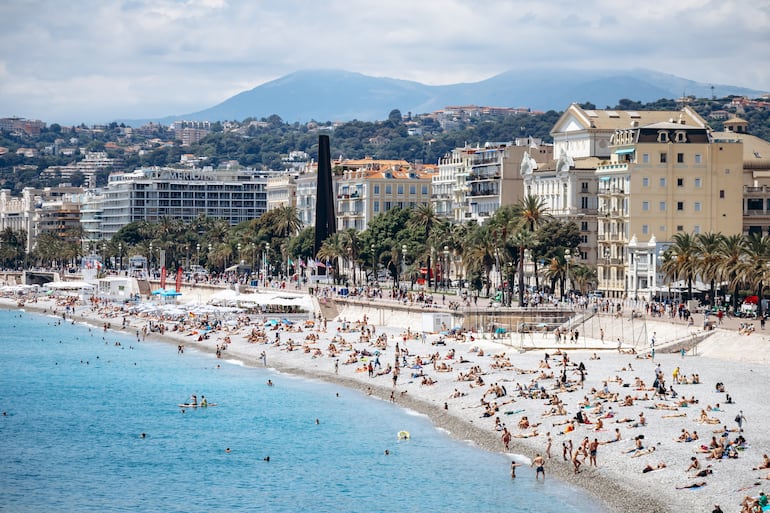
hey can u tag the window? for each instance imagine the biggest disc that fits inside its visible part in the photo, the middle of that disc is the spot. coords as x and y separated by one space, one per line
662 182
680 158
583 226
696 206
584 186
389 190
645 206
680 206
663 158
400 189
697 158
645 229
388 205
645 182
425 189
645 158
412 189
680 182
662 206
377 189
584 202
376 206
584 239
698 183
679 228
721 194
696 229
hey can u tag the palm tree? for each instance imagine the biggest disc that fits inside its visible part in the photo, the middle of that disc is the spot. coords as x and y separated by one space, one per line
478 256
732 250
754 270
287 220
424 218
583 276
708 259
533 212
681 260
333 249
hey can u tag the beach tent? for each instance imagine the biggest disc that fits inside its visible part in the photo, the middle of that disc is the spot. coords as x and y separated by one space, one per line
69 285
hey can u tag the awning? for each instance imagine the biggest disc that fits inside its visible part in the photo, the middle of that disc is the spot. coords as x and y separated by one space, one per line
625 151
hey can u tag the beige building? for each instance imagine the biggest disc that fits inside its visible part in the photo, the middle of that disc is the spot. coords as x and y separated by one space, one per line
662 178
756 175
281 191
366 188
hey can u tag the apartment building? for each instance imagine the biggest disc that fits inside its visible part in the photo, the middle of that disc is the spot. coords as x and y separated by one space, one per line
662 178
756 175
473 182
281 191
369 187
151 194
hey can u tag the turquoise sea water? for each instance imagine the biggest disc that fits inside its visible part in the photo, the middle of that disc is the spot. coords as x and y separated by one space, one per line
76 405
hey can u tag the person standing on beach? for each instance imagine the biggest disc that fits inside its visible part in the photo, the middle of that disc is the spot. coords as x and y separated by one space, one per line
652 345
593 447
740 419
506 438
539 464
548 445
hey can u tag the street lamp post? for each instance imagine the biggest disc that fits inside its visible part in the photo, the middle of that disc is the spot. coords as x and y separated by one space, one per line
149 263
267 260
403 260
120 256
567 258
239 254
445 273
198 254
208 256
374 268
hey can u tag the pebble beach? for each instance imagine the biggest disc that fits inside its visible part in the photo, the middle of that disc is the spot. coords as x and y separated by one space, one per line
478 388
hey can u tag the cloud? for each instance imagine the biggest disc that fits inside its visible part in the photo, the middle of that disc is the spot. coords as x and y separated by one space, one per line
104 59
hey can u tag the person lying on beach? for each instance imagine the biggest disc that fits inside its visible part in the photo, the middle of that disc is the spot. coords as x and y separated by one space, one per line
531 434
643 452
650 468
694 485
703 472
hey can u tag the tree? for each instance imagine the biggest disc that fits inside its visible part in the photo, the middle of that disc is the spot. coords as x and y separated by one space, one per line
681 260
754 270
731 253
709 259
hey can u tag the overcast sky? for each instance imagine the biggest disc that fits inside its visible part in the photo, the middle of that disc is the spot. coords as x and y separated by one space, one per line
99 60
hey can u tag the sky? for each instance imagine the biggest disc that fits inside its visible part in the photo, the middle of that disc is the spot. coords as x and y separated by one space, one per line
100 60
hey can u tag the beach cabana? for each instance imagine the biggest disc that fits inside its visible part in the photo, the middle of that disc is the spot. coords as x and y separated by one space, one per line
69 285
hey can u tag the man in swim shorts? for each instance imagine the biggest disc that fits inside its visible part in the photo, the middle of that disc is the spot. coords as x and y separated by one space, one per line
539 464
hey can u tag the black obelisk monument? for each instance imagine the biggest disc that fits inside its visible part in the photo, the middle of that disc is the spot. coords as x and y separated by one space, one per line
325 220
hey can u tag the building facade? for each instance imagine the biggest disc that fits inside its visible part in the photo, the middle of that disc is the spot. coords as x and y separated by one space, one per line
662 179
152 194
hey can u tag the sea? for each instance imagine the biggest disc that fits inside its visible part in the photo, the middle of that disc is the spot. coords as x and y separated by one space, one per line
76 401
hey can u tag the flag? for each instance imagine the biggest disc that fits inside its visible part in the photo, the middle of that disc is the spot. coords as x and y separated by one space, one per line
290 261
163 277
179 279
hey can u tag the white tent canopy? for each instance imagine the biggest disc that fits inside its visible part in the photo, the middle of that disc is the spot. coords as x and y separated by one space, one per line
69 285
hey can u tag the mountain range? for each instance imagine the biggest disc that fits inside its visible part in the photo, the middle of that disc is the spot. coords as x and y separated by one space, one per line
335 95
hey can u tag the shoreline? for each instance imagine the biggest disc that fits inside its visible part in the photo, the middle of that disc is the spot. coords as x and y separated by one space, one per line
617 488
